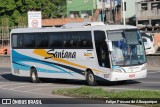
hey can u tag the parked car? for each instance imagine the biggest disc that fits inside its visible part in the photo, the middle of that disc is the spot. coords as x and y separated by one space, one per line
148 42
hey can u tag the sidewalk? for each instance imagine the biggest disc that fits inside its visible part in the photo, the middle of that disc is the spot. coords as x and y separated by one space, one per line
2 65
152 68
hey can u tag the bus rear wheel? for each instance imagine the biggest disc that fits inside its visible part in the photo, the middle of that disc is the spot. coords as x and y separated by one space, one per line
34 76
90 78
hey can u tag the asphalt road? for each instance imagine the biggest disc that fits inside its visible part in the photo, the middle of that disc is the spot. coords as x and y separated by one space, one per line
21 87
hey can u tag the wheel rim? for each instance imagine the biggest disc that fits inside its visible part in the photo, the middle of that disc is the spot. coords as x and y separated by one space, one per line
91 78
33 76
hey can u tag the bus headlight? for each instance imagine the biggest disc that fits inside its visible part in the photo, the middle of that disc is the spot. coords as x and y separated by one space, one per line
117 70
144 67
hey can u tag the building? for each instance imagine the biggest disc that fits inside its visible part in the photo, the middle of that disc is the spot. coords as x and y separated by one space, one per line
148 14
80 8
57 22
130 11
87 8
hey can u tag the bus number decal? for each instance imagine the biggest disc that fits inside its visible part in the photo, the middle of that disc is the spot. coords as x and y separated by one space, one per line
132 76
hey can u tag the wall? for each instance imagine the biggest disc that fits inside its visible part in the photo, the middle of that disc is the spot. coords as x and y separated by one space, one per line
130 8
153 61
80 5
5 61
156 38
99 4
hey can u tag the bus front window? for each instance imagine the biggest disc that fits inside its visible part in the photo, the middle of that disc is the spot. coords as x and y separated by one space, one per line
128 48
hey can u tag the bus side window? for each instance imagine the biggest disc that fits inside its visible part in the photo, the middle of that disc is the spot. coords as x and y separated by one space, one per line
20 40
66 39
70 40
29 40
85 40
42 40
73 41
55 40
14 41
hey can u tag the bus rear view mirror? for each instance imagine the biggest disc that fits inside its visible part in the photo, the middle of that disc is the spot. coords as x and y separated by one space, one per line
140 42
110 47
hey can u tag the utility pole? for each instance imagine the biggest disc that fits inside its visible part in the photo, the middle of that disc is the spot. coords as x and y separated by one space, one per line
124 17
103 9
113 11
111 16
116 14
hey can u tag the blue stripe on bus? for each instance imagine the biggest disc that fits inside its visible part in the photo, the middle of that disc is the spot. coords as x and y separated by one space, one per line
26 68
119 68
24 58
20 66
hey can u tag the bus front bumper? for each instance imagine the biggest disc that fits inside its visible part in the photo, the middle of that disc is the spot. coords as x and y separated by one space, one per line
120 76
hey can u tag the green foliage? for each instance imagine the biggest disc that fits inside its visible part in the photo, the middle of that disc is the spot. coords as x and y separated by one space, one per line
89 92
84 92
13 9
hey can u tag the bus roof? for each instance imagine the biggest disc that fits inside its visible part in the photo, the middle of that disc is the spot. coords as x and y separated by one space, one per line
75 27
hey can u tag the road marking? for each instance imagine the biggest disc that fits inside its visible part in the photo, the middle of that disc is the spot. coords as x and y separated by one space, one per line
4 73
2 82
9 84
151 82
43 84
23 85
30 85
153 72
66 86
36 93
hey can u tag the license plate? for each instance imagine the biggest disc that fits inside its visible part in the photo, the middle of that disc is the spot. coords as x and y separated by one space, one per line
131 75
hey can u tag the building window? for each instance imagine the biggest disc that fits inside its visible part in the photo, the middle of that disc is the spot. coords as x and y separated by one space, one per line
144 6
85 1
69 1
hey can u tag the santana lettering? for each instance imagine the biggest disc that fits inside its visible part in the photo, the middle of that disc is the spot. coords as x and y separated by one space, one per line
63 54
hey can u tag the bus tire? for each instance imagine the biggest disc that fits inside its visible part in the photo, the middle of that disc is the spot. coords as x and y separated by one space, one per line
34 76
90 78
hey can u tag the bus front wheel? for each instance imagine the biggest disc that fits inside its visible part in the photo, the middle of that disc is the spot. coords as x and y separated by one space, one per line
34 76
90 78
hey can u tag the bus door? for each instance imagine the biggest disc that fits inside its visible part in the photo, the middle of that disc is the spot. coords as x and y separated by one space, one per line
101 49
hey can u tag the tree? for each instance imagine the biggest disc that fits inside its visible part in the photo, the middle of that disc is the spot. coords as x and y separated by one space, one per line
13 9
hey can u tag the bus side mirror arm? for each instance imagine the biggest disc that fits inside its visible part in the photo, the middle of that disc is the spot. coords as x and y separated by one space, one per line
109 43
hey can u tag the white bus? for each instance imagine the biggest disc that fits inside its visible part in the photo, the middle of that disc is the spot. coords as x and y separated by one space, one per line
148 40
84 51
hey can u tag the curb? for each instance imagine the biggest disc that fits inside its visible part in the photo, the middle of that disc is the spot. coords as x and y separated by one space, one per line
153 69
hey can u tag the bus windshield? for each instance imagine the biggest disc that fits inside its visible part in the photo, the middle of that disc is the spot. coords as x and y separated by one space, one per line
128 48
